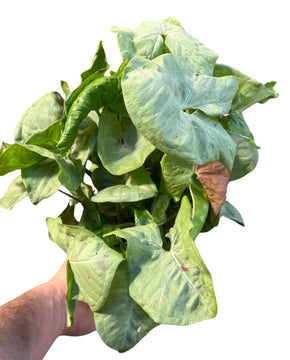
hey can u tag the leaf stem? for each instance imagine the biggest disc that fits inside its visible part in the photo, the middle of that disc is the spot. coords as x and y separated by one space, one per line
70 196
88 172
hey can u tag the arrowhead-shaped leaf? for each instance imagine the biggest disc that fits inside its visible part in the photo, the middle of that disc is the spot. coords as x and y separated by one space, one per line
250 90
175 108
92 261
121 322
178 285
99 63
154 38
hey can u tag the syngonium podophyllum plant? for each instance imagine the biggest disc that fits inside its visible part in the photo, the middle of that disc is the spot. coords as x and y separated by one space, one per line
160 139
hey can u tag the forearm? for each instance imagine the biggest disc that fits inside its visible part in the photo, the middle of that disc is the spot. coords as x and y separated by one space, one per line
30 323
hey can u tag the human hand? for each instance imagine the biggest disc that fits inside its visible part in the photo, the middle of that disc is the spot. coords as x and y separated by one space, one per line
83 321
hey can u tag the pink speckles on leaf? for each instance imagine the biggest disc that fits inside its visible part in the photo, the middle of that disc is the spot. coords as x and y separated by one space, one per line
106 256
183 268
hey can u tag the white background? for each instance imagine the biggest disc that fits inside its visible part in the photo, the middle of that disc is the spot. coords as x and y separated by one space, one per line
43 42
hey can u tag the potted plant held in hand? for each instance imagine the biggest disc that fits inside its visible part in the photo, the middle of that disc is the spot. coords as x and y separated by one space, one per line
159 139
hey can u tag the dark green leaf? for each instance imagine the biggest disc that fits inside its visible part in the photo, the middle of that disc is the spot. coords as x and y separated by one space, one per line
200 207
67 216
99 63
17 156
93 93
102 178
71 288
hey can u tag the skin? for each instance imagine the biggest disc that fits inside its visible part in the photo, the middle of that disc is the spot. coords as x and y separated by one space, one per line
31 323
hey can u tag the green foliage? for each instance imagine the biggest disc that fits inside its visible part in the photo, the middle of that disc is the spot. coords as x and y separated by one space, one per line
160 139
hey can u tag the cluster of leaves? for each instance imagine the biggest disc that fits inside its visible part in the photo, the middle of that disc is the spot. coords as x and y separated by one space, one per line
160 139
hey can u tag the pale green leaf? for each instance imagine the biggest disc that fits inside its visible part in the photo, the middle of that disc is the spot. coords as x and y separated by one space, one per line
159 207
154 38
158 95
250 90
246 158
230 212
121 322
15 193
128 148
41 180
92 261
46 138
137 186
236 125
68 174
41 114
178 285
84 143
200 207
4 146
176 174
65 87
